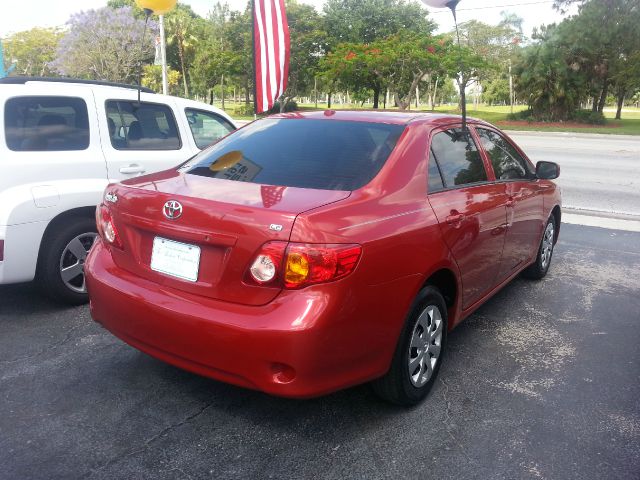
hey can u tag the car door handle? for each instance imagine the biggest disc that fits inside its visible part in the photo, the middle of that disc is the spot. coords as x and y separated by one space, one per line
133 168
454 218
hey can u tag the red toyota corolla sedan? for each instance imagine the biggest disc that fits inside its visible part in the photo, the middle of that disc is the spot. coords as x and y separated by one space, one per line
306 253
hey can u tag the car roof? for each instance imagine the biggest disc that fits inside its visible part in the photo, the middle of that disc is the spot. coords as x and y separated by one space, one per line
378 116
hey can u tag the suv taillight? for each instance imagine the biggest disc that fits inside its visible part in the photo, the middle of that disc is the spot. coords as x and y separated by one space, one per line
297 265
106 227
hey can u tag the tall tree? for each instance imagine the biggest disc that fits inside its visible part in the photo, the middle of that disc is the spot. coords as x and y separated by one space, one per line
179 28
104 44
369 20
33 50
308 44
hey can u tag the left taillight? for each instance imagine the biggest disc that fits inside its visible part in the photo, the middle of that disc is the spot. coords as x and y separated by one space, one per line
106 226
297 265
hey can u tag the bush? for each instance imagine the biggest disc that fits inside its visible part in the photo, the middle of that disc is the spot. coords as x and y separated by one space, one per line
244 109
522 115
587 116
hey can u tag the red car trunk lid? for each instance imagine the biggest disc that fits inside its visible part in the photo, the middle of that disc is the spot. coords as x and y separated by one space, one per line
227 220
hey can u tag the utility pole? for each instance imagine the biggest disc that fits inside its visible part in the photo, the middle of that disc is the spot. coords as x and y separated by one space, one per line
163 56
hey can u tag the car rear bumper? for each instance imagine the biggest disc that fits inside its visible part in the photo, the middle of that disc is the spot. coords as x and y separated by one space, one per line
303 344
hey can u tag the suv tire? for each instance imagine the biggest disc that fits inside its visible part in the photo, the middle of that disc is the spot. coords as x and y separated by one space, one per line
61 261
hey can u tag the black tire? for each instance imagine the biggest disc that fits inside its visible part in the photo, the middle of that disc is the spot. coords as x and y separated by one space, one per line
50 261
396 386
538 269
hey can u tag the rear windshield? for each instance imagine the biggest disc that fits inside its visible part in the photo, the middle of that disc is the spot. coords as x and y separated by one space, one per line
320 154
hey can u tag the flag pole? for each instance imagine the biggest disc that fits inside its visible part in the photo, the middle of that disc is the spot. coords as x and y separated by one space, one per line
253 59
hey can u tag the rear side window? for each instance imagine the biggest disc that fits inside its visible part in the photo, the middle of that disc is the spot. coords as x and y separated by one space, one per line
507 163
458 158
141 126
435 179
207 127
34 124
306 153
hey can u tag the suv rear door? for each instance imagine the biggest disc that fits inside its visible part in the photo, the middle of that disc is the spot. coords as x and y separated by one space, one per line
470 209
140 138
50 140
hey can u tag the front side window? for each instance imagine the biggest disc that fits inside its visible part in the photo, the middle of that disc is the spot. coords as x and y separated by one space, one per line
207 127
34 124
305 153
458 158
507 163
141 126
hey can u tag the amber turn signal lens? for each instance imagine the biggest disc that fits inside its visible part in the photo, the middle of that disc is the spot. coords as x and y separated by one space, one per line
296 269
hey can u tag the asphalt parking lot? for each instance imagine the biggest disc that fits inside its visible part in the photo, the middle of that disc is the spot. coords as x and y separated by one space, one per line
542 382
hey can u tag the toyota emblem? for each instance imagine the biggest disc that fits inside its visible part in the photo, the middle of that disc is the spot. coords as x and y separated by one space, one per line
172 209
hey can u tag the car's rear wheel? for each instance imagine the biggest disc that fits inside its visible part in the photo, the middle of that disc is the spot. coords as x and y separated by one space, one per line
62 257
540 267
419 352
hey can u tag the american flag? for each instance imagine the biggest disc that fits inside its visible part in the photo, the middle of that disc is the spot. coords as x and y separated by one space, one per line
271 52
271 195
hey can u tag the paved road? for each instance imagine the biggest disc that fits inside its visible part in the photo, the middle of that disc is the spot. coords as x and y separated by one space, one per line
598 172
542 382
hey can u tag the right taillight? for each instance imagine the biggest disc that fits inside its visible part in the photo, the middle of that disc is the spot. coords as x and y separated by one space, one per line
106 227
297 265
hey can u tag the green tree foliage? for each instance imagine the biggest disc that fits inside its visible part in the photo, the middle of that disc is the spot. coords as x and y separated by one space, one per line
179 31
398 63
33 50
224 52
496 91
583 59
308 45
152 78
366 21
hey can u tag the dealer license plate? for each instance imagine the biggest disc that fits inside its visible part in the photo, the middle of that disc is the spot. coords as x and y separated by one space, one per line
175 258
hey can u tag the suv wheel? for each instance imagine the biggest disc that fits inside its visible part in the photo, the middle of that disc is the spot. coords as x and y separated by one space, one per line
540 267
62 257
419 353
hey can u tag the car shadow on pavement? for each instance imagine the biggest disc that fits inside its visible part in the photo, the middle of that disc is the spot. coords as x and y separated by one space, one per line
26 299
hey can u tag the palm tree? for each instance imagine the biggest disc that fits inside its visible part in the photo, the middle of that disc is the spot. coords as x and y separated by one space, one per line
179 26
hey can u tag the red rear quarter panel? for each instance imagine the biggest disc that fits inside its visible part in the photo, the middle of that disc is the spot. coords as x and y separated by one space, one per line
393 221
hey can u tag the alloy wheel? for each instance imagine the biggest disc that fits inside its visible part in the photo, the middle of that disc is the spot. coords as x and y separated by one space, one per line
72 261
425 345
547 246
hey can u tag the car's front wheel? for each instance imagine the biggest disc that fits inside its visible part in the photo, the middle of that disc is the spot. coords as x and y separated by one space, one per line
419 352
540 267
62 257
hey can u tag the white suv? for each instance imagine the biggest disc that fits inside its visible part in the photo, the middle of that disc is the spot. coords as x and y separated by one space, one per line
61 142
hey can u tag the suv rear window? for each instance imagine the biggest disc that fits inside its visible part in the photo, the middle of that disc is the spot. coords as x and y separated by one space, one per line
207 127
34 124
305 153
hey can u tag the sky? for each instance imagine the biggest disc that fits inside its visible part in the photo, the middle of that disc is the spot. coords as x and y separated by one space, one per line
26 14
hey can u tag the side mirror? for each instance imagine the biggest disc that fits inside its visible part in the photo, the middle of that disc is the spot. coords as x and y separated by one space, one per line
547 170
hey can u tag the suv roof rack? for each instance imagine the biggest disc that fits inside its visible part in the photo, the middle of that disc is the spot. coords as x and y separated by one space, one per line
23 80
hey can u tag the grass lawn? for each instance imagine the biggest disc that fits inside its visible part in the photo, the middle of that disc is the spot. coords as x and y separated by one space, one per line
629 125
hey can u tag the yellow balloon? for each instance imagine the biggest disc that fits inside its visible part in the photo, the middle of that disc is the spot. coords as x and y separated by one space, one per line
159 7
